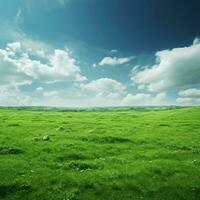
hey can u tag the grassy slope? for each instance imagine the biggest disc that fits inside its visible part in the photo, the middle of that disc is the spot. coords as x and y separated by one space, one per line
100 155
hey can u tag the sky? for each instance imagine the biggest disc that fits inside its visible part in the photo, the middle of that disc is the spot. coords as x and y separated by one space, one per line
90 53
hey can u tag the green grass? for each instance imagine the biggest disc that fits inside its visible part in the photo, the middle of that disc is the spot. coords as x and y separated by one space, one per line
111 155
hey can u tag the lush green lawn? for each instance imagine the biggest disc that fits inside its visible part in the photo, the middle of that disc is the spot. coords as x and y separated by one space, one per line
100 155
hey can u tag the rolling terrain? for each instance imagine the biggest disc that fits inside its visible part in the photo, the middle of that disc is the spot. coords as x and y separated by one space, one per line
118 154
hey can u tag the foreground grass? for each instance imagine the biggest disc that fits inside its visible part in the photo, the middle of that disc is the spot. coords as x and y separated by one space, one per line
100 155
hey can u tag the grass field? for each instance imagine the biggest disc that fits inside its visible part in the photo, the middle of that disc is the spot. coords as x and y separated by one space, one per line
111 155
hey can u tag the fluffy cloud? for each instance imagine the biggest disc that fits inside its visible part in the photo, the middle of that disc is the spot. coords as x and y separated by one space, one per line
189 97
12 96
79 97
27 62
9 72
114 61
18 67
104 87
21 65
188 101
145 99
13 47
196 41
176 68
192 92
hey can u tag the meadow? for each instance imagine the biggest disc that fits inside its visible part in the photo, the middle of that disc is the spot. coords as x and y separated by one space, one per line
113 154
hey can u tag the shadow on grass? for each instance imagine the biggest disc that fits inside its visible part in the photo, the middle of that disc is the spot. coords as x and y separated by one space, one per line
10 150
7 190
106 140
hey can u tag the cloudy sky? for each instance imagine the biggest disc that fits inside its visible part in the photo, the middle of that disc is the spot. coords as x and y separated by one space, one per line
76 53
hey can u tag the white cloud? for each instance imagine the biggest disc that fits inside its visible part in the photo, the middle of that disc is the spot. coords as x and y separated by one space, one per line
54 93
192 92
145 99
17 66
18 17
189 97
9 71
188 101
114 61
176 68
104 87
114 51
15 46
196 41
40 89
28 61
26 42
12 96
41 54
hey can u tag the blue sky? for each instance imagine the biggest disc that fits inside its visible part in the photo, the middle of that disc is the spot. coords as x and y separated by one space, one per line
78 53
